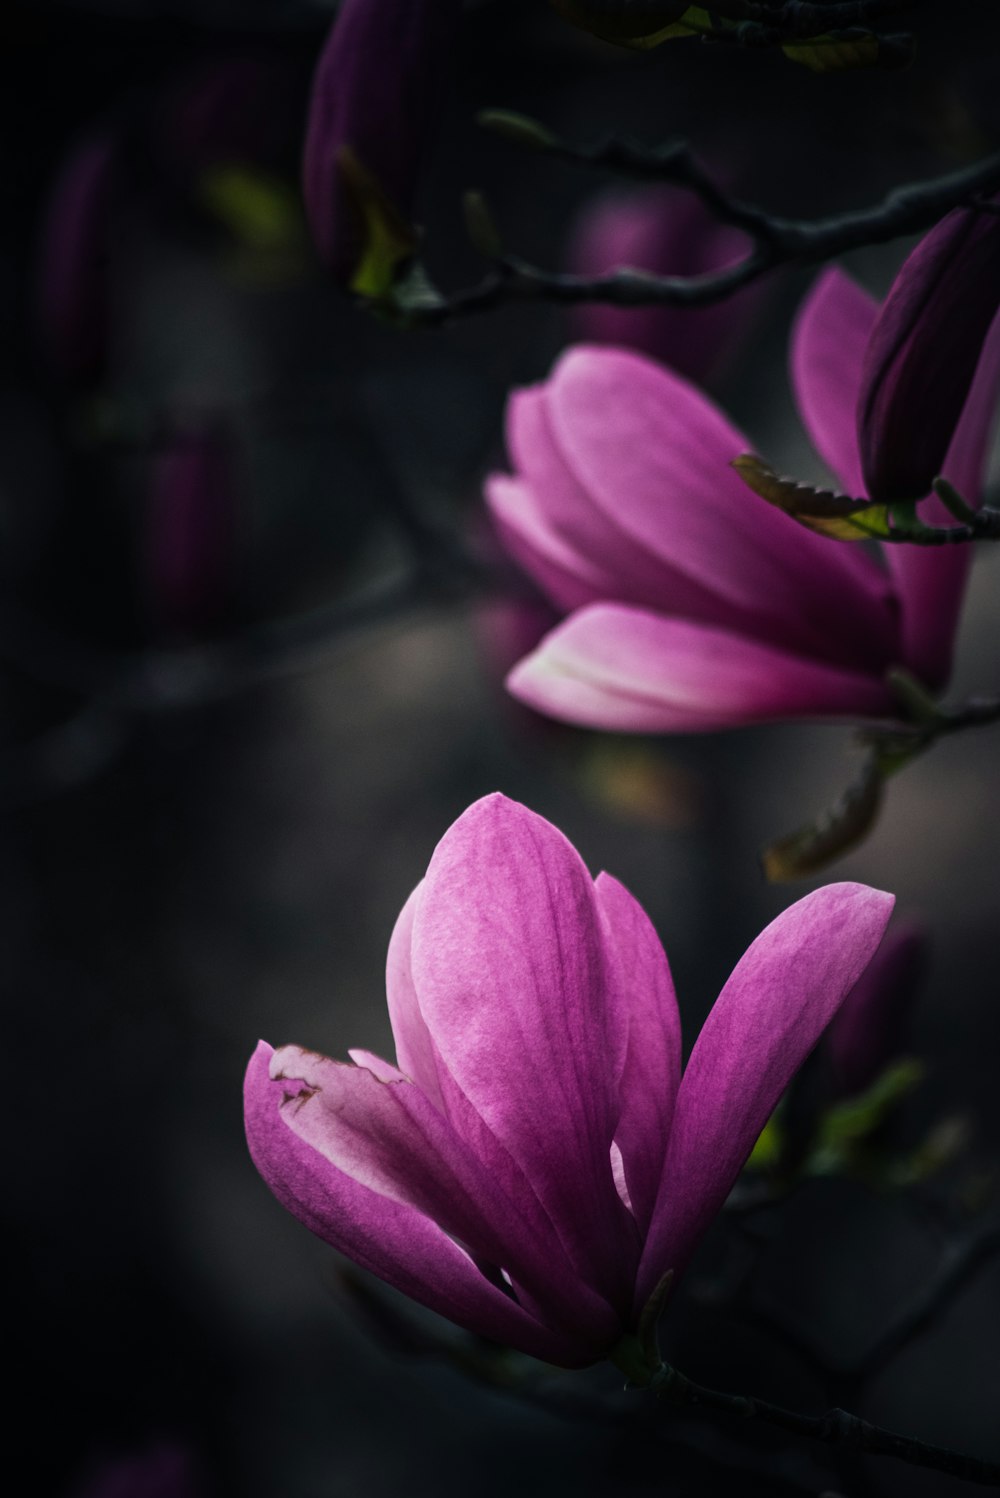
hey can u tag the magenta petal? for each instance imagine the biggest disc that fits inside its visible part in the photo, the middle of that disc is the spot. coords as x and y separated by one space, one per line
414 1048
510 964
568 578
395 1241
381 1130
648 1085
780 997
924 350
828 346
630 671
654 454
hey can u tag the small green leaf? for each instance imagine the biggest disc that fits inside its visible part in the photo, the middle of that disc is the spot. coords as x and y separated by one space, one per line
831 514
840 51
390 241
518 129
481 226
855 1119
259 210
832 833
768 1150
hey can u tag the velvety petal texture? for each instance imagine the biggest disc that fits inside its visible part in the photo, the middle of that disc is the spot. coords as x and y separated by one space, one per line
537 1161
376 90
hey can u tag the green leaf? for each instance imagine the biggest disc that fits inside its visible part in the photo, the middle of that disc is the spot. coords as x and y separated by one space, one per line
517 128
858 1117
823 510
389 241
833 833
840 51
480 226
259 210
768 1150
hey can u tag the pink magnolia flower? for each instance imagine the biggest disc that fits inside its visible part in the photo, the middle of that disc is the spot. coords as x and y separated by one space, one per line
870 1029
535 1162
693 604
671 233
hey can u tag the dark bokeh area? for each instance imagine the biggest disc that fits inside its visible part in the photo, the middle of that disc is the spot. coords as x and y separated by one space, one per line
218 787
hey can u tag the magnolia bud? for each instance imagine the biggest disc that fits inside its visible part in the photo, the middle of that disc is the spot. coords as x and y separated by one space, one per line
375 95
73 291
923 353
191 531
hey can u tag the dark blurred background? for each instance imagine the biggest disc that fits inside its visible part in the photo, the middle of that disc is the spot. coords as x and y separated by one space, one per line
221 778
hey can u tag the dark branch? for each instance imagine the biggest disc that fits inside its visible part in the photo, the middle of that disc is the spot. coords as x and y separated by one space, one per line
835 1428
776 241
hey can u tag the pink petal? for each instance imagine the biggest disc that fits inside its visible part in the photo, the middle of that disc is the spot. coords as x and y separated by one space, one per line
510 964
653 453
828 345
415 1051
781 995
648 1085
568 577
630 671
379 1129
394 1241
870 1029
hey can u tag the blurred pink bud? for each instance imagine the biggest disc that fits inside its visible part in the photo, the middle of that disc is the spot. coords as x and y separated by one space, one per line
923 351
537 1163
669 233
870 1029
234 110
74 255
161 1471
376 92
191 530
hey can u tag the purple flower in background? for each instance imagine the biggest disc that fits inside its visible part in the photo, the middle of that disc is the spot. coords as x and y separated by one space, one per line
234 110
869 1030
923 350
376 92
693 605
160 1471
669 233
191 530
537 1162
74 253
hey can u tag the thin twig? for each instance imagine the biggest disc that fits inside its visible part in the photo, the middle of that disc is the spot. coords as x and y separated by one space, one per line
777 241
834 1428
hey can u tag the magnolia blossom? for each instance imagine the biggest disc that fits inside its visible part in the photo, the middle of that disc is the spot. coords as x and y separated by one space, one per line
535 1162
693 604
668 232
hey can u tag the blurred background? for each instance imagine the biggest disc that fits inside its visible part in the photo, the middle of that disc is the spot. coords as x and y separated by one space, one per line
230 737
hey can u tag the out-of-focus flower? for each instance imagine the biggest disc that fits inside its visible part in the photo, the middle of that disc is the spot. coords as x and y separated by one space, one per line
693 605
160 1471
376 91
73 280
537 1164
669 233
869 1030
191 530
237 110
923 350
